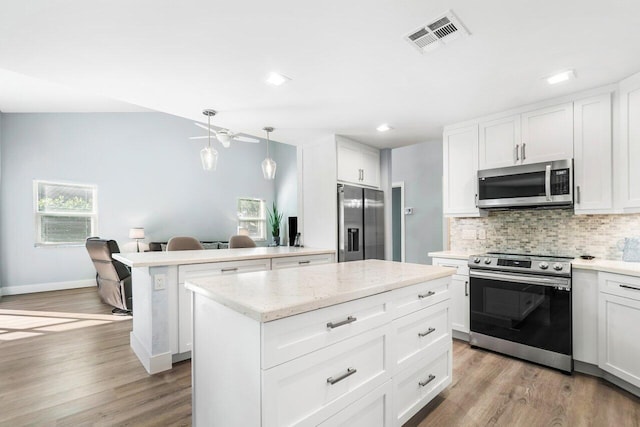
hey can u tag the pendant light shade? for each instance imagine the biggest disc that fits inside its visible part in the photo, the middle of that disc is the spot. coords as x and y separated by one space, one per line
209 155
268 164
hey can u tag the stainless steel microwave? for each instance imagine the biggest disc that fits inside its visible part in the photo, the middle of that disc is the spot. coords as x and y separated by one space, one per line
537 185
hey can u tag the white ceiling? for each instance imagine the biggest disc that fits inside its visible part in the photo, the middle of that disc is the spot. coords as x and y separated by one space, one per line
351 67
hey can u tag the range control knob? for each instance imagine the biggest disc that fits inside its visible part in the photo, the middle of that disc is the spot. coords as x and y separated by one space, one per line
487 260
476 260
557 266
543 265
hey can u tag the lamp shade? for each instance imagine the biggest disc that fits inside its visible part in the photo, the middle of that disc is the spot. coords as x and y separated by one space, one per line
269 168
136 233
209 158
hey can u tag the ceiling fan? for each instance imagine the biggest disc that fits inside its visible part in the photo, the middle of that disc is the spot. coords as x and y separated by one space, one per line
225 136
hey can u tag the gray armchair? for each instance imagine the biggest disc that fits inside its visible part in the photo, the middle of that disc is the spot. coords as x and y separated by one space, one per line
113 277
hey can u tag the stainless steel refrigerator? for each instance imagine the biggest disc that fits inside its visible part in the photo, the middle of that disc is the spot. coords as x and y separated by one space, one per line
360 223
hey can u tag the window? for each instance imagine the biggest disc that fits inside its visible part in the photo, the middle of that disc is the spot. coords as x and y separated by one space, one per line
65 213
252 218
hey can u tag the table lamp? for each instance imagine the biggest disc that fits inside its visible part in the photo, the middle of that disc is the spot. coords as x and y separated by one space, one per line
136 233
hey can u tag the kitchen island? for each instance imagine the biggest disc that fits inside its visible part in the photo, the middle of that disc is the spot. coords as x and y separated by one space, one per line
161 332
363 343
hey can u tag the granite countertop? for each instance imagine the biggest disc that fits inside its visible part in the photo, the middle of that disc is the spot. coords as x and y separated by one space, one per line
270 295
151 259
453 254
609 266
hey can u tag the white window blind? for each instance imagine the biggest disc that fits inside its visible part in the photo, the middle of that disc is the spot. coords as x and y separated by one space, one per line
252 218
65 213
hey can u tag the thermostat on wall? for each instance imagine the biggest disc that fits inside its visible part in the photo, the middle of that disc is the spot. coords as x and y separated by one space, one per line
408 211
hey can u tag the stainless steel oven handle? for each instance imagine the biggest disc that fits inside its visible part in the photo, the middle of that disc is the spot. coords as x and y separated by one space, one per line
529 280
547 182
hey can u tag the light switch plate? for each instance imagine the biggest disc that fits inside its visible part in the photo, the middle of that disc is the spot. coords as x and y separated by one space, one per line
159 281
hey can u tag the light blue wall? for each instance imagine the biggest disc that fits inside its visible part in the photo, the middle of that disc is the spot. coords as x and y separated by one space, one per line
148 174
420 167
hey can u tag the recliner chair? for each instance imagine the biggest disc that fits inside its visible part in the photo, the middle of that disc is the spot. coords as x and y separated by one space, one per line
113 277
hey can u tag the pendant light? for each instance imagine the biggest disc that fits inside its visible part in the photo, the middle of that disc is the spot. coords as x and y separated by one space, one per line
268 164
209 155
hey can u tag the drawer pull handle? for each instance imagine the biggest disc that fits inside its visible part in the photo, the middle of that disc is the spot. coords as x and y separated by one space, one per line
349 372
449 266
424 334
629 287
428 294
346 321
226 270
305 262
427 381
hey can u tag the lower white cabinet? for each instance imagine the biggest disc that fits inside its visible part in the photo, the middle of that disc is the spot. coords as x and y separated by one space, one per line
373 361
618 318
300 261
459 293
584 312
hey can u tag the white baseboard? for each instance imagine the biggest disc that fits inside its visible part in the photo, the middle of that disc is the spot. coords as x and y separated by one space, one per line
153 364
46 287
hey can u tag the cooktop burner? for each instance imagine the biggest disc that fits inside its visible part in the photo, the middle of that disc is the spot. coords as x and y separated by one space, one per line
522 263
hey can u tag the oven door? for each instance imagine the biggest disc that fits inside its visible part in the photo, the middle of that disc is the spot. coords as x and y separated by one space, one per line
528 309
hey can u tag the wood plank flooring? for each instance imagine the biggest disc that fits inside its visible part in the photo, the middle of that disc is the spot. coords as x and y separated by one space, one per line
79 374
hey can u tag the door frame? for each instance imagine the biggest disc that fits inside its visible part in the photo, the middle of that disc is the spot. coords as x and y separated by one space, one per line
400 184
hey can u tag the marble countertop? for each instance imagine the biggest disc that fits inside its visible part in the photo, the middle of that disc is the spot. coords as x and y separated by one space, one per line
271 295
151 259
453 254
609 266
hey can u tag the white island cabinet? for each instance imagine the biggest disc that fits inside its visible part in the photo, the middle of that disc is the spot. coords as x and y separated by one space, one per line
364 343
162 305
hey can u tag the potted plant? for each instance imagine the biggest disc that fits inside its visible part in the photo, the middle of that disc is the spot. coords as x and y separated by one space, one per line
275 218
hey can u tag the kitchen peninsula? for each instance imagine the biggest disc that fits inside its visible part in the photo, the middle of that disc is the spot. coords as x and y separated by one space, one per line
361 343
162 306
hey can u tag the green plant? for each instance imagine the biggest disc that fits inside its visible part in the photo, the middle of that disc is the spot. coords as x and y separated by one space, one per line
275 218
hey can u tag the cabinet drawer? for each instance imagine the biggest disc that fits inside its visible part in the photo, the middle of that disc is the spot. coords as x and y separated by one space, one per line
373 410
309 389
194 271
417 333
300 261
419 383
619 284
461 266
413 298
295 336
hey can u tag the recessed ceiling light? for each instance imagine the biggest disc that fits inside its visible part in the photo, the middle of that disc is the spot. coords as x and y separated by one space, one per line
383 127
277 79
561 77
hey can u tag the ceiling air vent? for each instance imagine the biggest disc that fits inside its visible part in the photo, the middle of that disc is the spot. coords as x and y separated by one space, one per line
447 27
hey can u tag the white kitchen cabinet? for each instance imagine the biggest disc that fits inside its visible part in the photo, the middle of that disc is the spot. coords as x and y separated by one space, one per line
618 318
373 410
500 142
629 172
358 163
459 293
584 314
301 261
547 134
460 172
593 155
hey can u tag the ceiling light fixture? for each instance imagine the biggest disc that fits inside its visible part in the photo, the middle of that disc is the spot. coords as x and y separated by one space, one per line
561 77
277 79
209 155
268 165
383 128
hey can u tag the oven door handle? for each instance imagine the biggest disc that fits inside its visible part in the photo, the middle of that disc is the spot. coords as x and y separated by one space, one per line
529 280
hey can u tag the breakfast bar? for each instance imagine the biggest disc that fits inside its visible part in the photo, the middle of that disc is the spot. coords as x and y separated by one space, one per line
161 332
363 343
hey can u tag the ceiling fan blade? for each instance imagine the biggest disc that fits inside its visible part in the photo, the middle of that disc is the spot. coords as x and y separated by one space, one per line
199 137
246 139
205 127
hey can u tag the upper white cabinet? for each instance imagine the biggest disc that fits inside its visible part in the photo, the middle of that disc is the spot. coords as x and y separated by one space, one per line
460 170
592 160
358 163
535 136
630 143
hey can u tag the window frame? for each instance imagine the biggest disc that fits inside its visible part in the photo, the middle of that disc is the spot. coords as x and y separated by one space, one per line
263 220
93 215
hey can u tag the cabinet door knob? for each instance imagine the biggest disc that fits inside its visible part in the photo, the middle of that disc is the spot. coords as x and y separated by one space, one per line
524 155
427 381
517 148
339 378
348 320
466 288
578 195
427 332
428 294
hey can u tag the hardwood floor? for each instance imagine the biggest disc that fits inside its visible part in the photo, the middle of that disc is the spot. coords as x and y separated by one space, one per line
79 370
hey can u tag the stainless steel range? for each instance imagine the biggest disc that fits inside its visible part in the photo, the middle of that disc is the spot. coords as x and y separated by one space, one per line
521 306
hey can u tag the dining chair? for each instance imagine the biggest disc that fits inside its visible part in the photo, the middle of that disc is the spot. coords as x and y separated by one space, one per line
183 243
241 241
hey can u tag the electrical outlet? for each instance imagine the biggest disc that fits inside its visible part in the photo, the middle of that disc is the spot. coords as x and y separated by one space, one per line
482 234
469 234
159 281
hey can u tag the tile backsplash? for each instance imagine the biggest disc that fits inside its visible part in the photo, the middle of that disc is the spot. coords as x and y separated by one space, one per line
553 232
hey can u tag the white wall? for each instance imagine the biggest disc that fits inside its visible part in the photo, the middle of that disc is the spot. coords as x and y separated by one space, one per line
420 167
148 174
